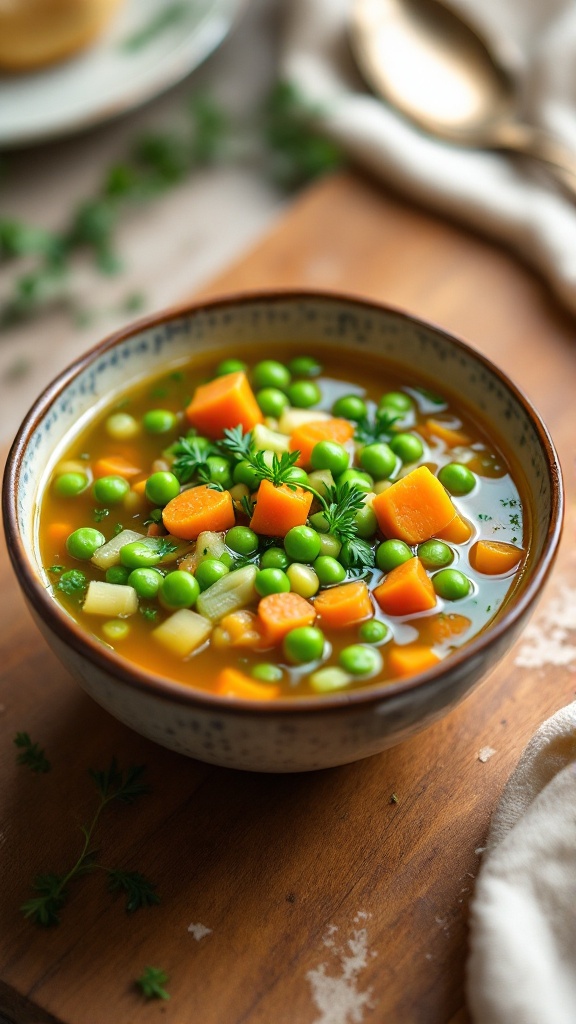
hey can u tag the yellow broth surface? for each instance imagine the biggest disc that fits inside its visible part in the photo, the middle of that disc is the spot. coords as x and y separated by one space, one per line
491 511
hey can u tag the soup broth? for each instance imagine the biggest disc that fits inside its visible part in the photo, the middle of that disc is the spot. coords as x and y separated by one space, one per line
266 528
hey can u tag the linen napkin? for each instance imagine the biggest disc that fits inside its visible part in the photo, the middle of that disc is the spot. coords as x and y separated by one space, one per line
522 964
508 198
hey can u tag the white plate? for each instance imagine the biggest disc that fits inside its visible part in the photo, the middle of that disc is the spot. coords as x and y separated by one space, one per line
109 77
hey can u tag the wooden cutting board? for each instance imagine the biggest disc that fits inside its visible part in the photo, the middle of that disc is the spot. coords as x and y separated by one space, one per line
307 899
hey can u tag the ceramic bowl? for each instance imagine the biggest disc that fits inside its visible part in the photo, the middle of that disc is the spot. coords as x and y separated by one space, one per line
291 734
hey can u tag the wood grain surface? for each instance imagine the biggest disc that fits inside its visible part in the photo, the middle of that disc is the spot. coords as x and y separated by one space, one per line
327 901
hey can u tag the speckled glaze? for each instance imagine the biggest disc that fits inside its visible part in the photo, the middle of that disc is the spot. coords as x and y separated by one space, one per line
290 734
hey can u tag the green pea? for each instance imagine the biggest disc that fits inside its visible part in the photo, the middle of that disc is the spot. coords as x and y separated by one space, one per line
271 581
242 539
139 554
227 559
117 574
303 644
303 579
379 460
68 485
350 407
180 589
219 471
146 582
355 478
330 545
271 401
302 544
122 426
319 522
210 571
161 487
304 366
296 475
244 473
230 366
115 629
366 522
329 570
266 672
110 490
391 553
457 479
271 374
396 401
359 660
274 558
451 584
408 447
374 631
330 455
159 421
435 554
304 393
83 543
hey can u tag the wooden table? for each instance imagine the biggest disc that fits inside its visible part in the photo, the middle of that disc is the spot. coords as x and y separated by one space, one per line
327 901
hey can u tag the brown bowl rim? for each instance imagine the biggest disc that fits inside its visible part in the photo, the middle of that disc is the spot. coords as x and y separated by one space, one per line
70 633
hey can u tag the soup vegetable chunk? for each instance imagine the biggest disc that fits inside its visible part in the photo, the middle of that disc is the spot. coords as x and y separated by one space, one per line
279 527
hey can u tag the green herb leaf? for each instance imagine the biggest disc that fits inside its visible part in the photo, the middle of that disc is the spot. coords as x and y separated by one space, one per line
189 458
114 784
376 429
151 983
44 909
140 892
72 582
237 443
31 754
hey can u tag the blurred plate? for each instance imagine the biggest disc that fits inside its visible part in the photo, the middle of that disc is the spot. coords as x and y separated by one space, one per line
149 46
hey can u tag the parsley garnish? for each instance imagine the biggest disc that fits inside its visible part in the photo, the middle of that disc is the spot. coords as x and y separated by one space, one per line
237 443
72 582
31 754
100 513
165 547
56 569
190 457
52 890
375 429
151 983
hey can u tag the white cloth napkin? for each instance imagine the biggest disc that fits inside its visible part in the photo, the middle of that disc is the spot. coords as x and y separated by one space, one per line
522 964
506 198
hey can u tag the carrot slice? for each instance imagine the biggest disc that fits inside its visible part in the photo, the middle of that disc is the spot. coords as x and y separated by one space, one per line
305 437
115 465
492 557
344 605
414 508
439 629
224 403
457 531
407 589
278 509
232 683
279 613
58 533
197 509
452 438
410 659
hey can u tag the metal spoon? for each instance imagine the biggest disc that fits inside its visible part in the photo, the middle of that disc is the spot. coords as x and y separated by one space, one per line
438 72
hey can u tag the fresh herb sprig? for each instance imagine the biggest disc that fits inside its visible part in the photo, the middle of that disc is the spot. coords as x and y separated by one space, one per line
237 443
52 891
151 983
31 754
190 458
376 429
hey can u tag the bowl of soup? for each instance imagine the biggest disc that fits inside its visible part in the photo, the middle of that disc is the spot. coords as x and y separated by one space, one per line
281 531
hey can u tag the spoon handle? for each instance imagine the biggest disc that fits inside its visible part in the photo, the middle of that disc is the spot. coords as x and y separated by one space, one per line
530 141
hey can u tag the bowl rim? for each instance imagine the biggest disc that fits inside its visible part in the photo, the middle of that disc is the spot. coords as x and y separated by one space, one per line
70 633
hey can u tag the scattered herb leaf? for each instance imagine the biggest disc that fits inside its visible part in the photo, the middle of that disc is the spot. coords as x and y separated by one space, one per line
31 754
151 983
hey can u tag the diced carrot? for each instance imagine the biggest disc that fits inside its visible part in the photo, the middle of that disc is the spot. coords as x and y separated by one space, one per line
224 403
58 533
457 531
115 465
278 509
493 557
140 487
414 508
155 530
452 437
344 605
308 435
410 659
239 629
407 589
197 509
230 682
439 629
279 613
